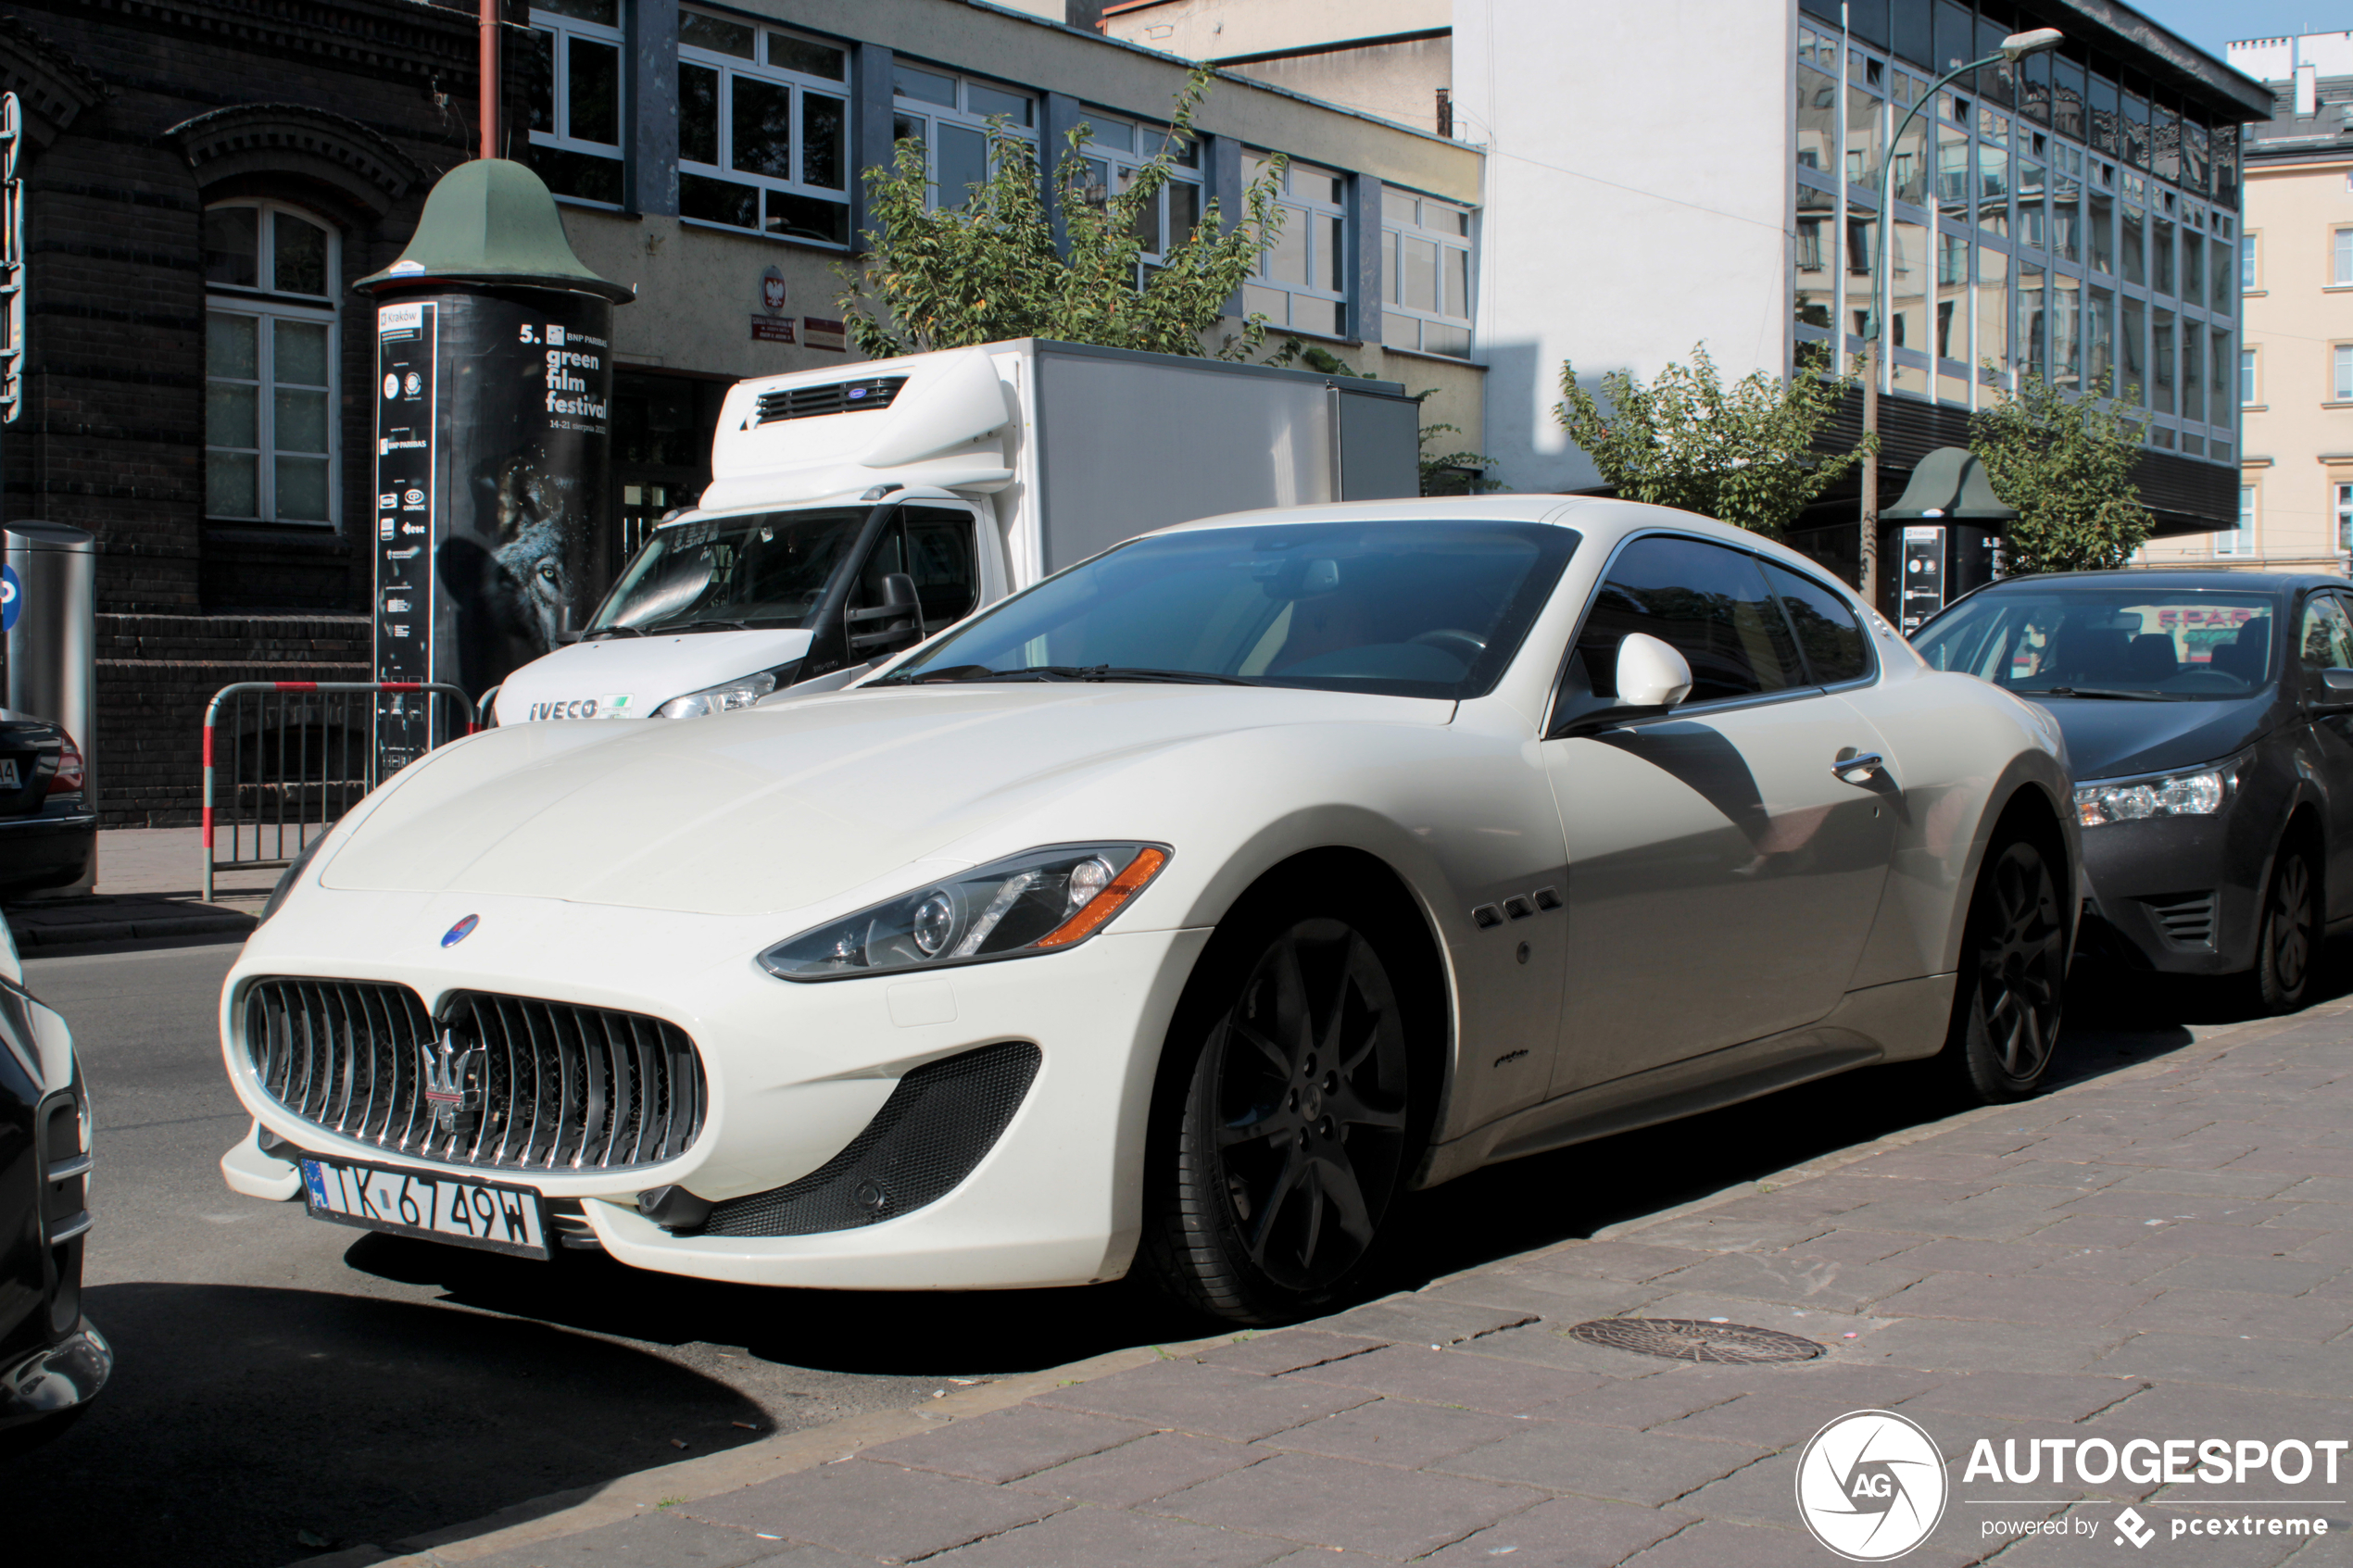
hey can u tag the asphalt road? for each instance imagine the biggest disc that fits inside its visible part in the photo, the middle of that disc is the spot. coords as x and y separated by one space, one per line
285 1386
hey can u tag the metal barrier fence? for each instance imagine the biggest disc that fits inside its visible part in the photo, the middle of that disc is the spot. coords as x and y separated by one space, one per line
293 756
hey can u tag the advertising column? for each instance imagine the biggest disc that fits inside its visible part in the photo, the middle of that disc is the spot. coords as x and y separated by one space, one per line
493 447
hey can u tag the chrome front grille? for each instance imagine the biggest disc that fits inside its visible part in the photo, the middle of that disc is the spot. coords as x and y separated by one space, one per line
2187 919
509 1081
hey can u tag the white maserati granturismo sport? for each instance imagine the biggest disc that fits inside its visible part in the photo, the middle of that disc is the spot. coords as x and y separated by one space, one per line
1176 914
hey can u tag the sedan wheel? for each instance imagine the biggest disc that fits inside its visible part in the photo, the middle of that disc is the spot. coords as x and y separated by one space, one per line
2012 984
2289 946
1294 1127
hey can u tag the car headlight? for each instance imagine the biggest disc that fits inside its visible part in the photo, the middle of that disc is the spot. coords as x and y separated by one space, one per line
2200 792
725 698
1037 902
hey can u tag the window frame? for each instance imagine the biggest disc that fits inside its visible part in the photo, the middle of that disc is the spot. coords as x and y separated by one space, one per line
1463 240
1302 209
2340 372
2341 256
270 304
904 108
561 29
2238 544
1118 161
2343 495
729 68
2250 377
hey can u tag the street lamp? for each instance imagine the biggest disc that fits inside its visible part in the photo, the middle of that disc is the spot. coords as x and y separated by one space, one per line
2016 48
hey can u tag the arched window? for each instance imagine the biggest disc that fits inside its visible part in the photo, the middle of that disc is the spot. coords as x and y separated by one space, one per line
271 277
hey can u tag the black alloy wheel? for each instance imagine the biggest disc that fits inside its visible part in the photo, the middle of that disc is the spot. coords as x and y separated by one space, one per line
1293 1128
2288 942
2011 989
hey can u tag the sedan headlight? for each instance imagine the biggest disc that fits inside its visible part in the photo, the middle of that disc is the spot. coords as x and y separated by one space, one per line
2199 793
725 698
1037 902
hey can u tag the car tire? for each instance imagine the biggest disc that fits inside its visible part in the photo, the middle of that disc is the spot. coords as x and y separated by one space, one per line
2288 939
2010 993
1286 1117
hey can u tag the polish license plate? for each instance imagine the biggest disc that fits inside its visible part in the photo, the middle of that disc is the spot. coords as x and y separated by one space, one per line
450 1209
10 777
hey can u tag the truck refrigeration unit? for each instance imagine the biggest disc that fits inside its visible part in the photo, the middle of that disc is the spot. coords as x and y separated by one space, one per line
854 511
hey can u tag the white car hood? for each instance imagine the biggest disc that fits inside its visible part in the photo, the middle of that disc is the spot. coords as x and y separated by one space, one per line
769 810
629 677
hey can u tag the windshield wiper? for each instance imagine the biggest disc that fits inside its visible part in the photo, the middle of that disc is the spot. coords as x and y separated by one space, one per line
1081 672
2102 692
711 625
597 633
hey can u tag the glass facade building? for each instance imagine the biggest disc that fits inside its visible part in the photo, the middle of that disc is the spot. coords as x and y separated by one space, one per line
2063 217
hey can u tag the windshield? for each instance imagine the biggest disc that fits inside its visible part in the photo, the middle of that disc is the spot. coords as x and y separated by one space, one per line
1431 609
765 569
2106 639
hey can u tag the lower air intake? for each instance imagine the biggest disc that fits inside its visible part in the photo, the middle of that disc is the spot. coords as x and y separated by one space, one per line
938 1124
2187 919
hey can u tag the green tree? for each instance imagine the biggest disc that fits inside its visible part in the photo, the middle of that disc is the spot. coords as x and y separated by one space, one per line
2066 465
1743 454
985 268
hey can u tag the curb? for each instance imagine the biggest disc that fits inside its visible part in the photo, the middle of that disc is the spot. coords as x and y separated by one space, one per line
587 1508
45 928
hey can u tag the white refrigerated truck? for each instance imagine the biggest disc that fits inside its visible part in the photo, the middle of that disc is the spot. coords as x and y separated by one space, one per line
853 511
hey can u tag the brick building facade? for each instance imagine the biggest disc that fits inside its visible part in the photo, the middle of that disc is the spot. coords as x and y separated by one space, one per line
203 179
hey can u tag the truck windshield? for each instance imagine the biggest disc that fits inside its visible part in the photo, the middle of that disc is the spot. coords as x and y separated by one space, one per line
763 569
1423 608
2095 639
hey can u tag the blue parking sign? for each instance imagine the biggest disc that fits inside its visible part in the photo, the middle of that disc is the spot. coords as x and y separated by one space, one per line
11 599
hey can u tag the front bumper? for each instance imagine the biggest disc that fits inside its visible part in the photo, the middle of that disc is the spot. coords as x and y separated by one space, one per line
795 1073
2181 895
45 851
56 1377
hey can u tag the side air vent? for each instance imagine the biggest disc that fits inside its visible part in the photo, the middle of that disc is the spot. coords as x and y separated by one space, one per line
2187 919
833 398
929 1134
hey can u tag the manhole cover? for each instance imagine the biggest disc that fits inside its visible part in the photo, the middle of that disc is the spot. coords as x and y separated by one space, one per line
1688 1339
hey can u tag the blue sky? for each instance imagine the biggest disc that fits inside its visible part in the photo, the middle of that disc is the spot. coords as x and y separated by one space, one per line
2209 24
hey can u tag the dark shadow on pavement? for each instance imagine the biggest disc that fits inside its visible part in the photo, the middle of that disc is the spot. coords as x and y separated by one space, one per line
247 1427
963 1334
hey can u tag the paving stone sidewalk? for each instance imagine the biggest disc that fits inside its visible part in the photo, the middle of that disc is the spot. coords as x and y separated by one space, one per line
2164 1253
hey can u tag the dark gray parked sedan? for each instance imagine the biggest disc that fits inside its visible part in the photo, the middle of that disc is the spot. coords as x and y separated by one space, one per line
2209 726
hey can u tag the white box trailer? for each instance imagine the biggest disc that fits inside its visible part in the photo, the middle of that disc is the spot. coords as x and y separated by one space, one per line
854 511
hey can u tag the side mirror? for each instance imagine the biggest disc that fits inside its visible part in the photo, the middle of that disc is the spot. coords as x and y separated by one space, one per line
1652 678
896 623
1651 674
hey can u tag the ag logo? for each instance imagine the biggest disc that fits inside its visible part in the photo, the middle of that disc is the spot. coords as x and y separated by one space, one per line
392 384
1870 1486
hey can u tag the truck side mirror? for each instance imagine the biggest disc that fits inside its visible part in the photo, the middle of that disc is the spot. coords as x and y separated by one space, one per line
896 623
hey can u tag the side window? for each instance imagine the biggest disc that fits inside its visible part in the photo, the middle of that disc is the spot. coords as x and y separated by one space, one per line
939 557
1707 601
2327 639
1828 634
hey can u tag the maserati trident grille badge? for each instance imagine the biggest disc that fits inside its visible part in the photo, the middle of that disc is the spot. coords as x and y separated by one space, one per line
454 1104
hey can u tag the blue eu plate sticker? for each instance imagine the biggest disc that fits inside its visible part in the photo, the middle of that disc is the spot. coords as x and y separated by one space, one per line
317 1182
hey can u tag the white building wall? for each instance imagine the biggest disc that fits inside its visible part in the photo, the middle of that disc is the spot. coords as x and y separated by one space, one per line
2275 60
1639 200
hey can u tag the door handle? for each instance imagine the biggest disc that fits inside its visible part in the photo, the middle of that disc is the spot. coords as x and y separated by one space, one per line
1856 769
